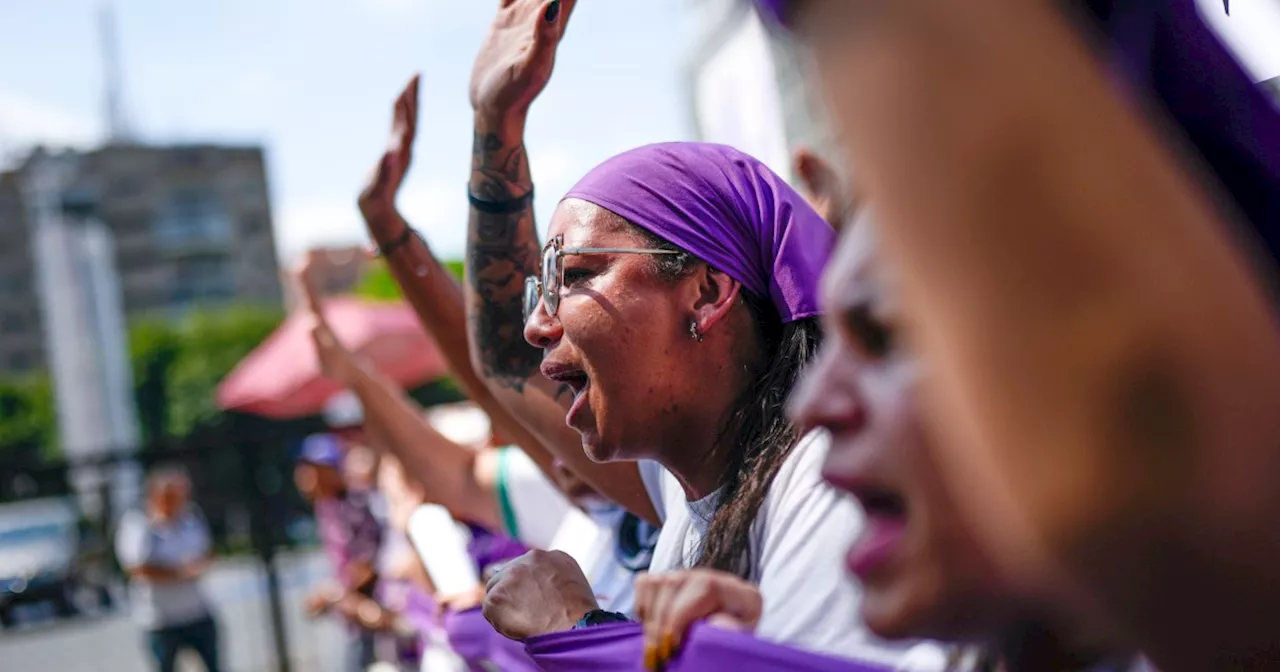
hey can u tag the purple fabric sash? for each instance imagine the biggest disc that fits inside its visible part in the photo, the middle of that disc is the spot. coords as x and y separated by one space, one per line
489 548
421 611
482 647
621 647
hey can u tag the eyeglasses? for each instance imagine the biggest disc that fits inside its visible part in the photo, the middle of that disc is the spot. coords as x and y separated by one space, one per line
547 288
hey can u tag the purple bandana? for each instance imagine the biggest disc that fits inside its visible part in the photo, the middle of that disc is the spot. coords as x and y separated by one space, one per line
725 208
621 647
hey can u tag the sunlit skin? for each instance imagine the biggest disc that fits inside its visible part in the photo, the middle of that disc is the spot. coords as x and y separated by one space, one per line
316 483
862 388
168 498
623 332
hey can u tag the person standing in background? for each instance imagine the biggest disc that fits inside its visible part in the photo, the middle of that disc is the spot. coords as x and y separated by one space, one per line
165 549
349 531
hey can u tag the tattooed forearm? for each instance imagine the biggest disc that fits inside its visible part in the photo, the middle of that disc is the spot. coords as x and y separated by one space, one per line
502 250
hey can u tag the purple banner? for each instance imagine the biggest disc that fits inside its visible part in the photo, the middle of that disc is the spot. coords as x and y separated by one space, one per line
482 647
621 648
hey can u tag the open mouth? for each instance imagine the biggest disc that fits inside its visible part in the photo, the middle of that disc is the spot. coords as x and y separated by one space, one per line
574 379
880 503
884 534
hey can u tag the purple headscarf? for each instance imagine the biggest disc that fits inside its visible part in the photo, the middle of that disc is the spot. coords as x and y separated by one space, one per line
725 208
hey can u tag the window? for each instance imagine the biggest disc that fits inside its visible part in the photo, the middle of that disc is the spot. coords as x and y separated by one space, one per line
19 362
203 280
193 218
13 323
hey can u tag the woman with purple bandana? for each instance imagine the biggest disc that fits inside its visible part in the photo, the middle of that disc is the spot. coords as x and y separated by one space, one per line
665 320
1089 279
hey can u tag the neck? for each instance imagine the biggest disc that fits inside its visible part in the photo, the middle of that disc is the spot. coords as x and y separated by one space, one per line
699 470
1033 645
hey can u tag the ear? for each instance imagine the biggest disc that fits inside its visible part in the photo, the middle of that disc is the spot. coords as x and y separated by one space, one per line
716 295
818 184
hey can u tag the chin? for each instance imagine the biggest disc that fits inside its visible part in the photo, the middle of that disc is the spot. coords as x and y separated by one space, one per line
892 615
596 449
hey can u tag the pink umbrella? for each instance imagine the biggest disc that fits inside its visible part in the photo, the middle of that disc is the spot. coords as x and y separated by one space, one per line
281 378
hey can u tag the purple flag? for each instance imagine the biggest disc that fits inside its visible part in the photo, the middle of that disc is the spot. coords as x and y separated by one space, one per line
482 647
621 648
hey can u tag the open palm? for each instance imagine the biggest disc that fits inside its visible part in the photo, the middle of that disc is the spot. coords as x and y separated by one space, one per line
518 54
378 197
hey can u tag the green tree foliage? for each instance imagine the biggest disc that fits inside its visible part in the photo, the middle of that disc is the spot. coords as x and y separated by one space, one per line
28 419
379 285
177 367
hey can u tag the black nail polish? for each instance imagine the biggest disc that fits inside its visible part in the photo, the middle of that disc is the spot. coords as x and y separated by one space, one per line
553 12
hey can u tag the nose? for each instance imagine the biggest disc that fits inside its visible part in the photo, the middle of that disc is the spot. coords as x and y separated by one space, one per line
542 330
828 394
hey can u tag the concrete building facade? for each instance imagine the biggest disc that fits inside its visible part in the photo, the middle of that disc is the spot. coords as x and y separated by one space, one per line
191 226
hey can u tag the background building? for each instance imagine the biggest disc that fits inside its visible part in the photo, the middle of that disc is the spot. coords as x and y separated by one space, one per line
746 86
191 226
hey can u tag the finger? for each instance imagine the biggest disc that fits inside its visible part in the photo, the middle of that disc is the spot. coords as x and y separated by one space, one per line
657 628
547 33
412 121
727 600
310 295
566 12
643 592
696 600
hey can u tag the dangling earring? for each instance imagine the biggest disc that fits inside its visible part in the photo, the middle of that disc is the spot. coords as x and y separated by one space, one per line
693 331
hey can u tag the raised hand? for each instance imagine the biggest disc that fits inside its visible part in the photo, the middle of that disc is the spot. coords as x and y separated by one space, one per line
335 360
517 56
377 199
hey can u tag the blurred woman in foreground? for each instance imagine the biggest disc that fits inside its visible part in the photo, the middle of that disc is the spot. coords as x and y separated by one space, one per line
1100 336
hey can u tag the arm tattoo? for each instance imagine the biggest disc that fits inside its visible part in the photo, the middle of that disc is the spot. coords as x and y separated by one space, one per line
502 249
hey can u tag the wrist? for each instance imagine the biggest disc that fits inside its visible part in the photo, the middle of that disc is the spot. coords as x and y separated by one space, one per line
507 125
597 617
383 221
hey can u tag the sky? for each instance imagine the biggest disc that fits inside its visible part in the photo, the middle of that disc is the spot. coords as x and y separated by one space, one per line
313 82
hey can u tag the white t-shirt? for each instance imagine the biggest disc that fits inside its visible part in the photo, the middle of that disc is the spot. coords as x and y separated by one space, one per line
537 513
141 541
441 543
798 543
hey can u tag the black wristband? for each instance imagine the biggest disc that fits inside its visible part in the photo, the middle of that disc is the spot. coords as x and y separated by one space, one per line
385 249
600 617
506 207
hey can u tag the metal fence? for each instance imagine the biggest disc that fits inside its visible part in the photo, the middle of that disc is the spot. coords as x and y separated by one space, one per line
241 473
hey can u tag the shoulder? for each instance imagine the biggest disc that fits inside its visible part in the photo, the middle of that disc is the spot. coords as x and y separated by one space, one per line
803 513
131 520
800 476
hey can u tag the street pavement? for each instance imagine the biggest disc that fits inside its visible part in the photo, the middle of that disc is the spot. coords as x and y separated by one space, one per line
237 587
